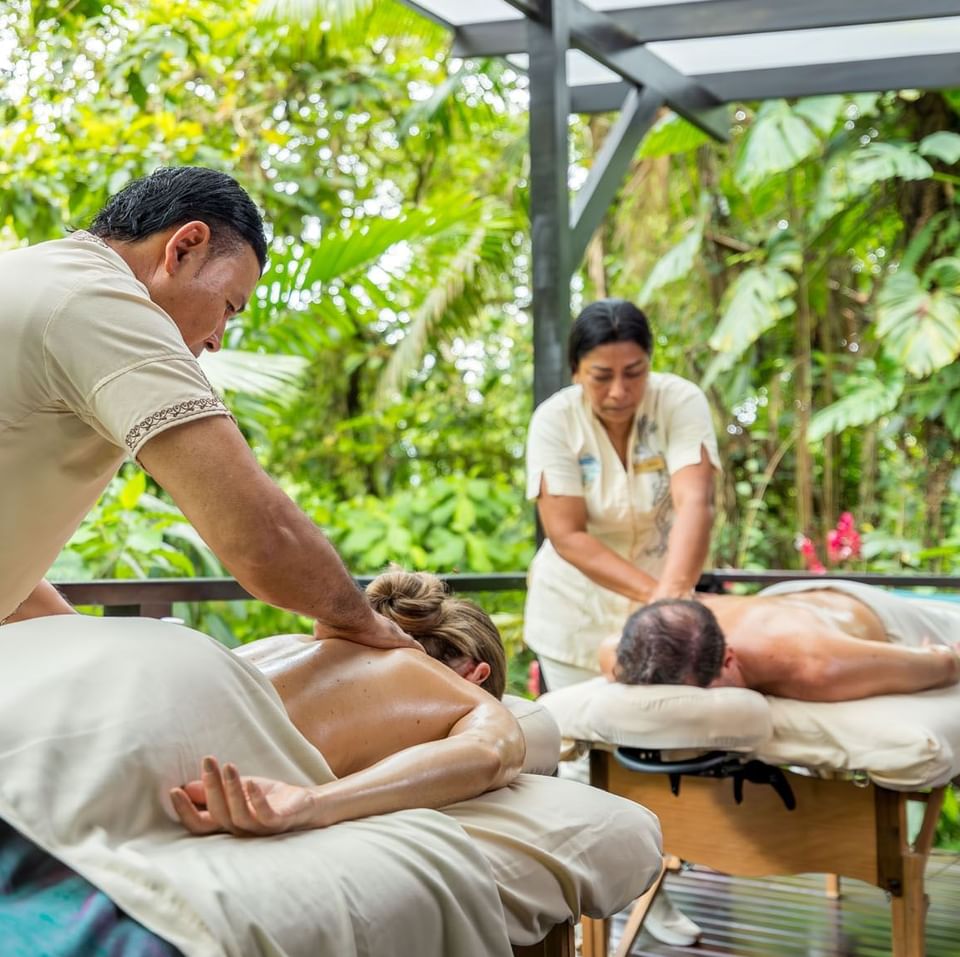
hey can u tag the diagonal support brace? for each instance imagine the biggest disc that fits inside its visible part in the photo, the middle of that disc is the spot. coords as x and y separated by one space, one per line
590 205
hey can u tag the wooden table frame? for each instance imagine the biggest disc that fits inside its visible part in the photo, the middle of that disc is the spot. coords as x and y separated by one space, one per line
837 828
558 943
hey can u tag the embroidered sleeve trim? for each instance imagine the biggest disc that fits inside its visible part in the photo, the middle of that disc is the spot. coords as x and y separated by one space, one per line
182 410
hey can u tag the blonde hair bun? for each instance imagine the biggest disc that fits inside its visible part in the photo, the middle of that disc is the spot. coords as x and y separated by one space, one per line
413 600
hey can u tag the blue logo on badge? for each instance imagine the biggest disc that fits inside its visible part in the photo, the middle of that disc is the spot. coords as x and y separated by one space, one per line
589 469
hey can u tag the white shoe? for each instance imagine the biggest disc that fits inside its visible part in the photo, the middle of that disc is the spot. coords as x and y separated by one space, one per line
668 925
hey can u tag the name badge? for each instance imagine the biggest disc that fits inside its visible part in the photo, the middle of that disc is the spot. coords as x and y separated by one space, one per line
655 463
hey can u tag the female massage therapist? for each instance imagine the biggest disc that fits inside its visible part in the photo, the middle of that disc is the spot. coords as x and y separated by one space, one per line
622 466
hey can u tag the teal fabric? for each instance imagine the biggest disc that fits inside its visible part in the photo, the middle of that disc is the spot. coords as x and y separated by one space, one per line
47 910
935 596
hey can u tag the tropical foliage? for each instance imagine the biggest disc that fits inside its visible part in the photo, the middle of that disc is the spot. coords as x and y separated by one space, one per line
807 273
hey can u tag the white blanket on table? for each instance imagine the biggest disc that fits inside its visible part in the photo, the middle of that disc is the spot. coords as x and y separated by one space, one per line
901 742
99 717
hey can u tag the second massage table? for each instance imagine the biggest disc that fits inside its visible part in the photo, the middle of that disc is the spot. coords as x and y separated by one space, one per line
753 785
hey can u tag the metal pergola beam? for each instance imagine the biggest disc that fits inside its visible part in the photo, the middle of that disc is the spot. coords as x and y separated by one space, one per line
609 44
932 72
598 97
714 18
637 114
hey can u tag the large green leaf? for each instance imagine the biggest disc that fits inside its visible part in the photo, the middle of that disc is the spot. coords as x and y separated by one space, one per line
851 174
879 161
777 141
920 327
671 134
942 145
822 112
675 264
867 402
758 299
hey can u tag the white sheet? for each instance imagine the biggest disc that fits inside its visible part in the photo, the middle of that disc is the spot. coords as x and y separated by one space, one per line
99 717
559 849
902 742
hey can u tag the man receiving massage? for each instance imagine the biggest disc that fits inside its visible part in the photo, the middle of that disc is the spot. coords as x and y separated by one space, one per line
398 729
815 641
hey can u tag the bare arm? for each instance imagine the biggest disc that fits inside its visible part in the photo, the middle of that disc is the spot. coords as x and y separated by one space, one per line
834 667
564 519
259 534
691 489
43 600
483 750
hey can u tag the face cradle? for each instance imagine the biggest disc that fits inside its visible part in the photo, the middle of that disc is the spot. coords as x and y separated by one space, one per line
614 378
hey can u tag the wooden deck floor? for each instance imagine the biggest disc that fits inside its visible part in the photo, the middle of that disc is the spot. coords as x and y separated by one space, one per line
792 917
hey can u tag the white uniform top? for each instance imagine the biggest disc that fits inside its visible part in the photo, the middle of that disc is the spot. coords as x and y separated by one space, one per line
90 369
630 511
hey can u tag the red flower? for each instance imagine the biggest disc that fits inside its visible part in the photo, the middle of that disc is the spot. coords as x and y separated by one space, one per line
809 554
533 679
843 542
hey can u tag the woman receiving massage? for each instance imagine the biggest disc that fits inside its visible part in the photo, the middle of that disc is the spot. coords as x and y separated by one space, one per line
814 641
399 729
104 719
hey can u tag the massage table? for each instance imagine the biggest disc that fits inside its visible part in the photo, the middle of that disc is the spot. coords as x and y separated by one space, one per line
99 717
754 785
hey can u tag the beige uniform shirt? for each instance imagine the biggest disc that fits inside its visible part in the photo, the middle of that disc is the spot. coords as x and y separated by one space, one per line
630 510
90 370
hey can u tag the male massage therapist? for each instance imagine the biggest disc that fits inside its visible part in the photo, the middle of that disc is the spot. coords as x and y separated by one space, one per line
99 338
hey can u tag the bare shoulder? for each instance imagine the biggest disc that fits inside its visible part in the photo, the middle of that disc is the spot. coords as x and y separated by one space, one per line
424 676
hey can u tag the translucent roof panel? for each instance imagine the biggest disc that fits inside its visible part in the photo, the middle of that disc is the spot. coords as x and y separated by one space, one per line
581 69
457 12
703 52
904 38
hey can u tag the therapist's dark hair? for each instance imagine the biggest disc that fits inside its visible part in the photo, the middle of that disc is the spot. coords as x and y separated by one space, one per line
173 196
604 321
671 642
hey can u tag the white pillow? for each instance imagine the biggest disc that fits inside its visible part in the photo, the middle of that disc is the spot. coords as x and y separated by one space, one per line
669 717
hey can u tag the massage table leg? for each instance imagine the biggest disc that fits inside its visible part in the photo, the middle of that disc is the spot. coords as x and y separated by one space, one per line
596 933
559 942
638 913
596 936
836 828
908 911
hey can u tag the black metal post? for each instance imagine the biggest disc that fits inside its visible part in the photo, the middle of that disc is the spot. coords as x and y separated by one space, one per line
547 42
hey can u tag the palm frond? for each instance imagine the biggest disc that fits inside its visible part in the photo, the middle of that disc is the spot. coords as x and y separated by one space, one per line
450 286
350 23
254 373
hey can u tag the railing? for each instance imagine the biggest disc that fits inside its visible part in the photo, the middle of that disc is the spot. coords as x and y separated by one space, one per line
154 597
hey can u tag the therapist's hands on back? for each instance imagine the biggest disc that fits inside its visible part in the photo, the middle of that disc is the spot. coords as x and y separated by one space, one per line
382 633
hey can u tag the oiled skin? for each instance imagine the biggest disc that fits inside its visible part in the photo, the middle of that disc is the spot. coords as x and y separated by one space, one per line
397 728
358 705
817 645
